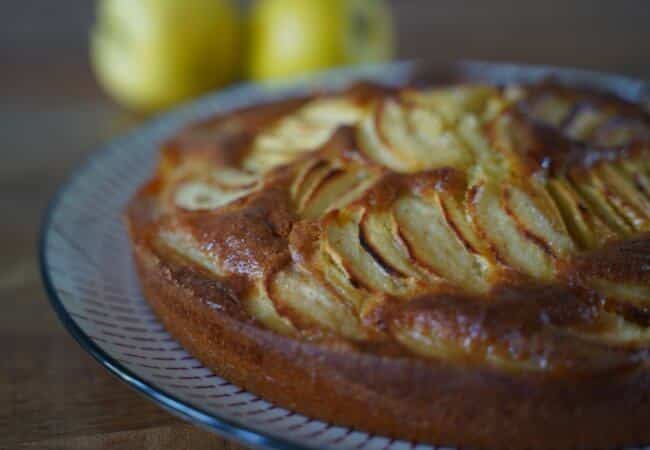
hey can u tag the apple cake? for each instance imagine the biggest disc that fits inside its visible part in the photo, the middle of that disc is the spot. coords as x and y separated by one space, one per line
461 265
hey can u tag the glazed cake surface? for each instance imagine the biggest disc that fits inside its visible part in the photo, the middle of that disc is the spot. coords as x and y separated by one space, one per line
460 265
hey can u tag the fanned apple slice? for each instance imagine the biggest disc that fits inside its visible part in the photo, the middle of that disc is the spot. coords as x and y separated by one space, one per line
322 265
307 174
310 253
199 195
343 244
458 218
640 180
333 110
436 245
635 172
421 133
307 302
626 291
372 145
185 245
549 108
409 139
625 215
338 190
535 212
379 232
584 226
513 246
628 199
508 141
434 342
313 181
452 103
613 329
260 306
584 122
305 130
490 162
517 334
594 193
264 162
230 177
205 190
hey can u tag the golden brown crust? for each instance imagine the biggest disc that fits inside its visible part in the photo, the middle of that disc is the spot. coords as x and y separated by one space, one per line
530 333
399 397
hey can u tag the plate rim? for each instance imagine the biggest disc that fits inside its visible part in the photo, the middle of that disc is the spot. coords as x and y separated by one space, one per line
220 423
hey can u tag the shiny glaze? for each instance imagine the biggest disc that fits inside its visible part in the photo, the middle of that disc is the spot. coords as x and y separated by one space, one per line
343 224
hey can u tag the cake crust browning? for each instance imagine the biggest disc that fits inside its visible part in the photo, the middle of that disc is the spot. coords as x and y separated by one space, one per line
462 266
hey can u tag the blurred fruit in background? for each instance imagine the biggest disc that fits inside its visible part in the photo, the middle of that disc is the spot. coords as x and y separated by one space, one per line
292 37
150 54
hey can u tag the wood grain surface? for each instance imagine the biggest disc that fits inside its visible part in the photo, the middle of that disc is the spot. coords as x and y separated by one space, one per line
52 114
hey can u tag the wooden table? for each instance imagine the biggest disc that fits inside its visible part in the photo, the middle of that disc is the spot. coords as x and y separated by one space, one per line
52 394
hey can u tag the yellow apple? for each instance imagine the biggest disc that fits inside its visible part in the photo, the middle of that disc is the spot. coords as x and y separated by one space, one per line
150 54
292 37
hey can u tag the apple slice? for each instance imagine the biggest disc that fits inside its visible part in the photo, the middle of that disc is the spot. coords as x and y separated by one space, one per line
452 103
307 302
230 177
516 334
306 130
321 265
625 196
338 189
584 122
343 244
261 307
308 179
196 187
421 133
625 291
436 245
265 162
373 146
336 111
184 244
613 329
534 211
379 232
584 226
511 243
489 161
303 172
410 139
437 343
595 194
458 218
635 172
199 195
552 109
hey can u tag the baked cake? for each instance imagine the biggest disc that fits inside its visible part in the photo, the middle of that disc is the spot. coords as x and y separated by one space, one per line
463 265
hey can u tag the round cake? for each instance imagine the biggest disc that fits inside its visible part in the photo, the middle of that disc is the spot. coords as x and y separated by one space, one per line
464 265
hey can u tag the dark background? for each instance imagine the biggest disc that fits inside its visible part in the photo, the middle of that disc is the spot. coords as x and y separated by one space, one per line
52 395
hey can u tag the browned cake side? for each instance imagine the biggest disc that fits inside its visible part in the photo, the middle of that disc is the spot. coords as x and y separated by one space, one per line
461 266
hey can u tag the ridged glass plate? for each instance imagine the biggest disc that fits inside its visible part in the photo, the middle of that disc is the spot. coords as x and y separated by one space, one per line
89 276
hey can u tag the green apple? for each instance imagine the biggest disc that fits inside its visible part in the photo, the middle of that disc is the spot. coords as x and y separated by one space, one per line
150 54
292 37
